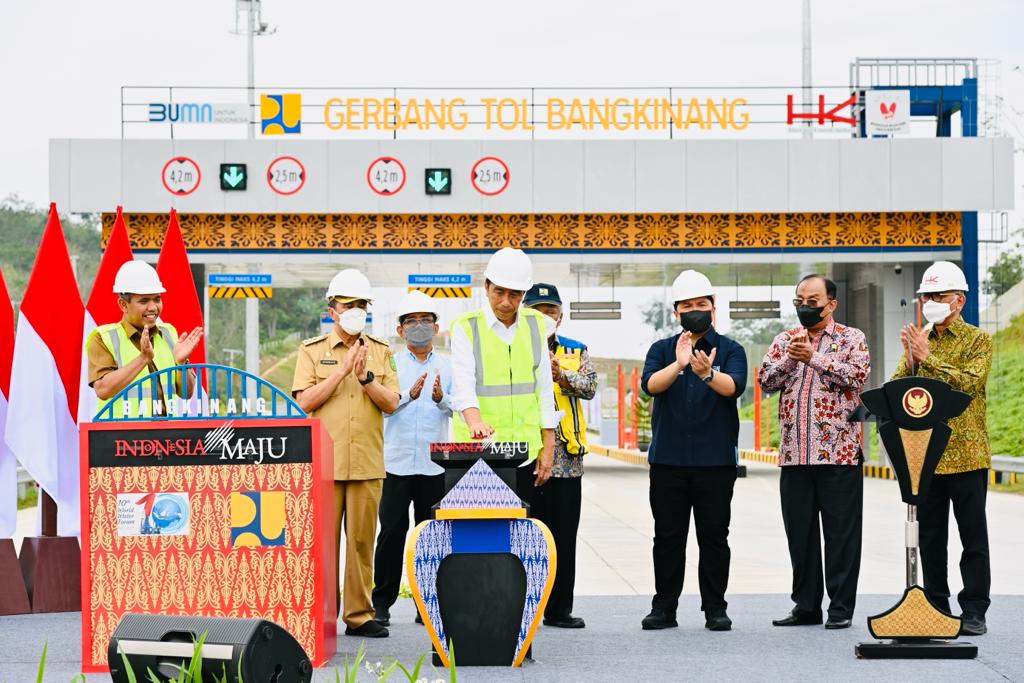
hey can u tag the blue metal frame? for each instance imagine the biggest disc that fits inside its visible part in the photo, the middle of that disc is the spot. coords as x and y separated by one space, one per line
165 380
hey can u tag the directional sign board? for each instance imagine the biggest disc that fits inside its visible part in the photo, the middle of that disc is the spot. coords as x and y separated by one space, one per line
438 181
386 175
239 285
489 176
180 175
233 177
441 286
286 175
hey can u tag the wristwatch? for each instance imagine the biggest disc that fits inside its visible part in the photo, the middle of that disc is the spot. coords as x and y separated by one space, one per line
707 380
369 378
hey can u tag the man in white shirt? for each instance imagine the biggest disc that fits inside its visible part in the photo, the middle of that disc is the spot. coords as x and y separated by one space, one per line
501 370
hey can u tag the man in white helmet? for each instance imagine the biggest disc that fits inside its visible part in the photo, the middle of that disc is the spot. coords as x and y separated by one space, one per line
695 378
423 416
501 385
140 344
950 349
348 379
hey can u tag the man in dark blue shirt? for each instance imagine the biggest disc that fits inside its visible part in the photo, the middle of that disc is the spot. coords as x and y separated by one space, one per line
695 378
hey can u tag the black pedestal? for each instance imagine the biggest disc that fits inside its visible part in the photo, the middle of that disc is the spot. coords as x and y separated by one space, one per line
916 649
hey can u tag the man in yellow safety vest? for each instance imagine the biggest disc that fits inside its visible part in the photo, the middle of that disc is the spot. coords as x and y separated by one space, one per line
501 370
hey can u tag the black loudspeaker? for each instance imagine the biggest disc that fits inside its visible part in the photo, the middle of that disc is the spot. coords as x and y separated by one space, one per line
250 650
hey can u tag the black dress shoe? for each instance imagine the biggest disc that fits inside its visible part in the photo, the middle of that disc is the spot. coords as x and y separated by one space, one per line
565 621
418 619
382 615
838 622
659 619
972 626
717 620
796 618
369 629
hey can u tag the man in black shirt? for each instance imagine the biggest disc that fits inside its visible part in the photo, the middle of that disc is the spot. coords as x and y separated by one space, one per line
695 378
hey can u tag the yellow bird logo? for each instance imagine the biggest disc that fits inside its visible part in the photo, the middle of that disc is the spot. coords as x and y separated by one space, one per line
917 402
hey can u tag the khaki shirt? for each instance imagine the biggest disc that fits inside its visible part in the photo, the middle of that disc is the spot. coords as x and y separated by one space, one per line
354 422
101 360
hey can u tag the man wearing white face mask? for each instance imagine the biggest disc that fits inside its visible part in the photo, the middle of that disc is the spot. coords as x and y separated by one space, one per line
348 379
949 349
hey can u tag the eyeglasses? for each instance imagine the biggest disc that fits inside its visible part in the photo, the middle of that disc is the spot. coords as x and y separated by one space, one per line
812 302
936 296
417 321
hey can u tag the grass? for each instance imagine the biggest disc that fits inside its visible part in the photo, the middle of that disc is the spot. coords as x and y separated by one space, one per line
1005 384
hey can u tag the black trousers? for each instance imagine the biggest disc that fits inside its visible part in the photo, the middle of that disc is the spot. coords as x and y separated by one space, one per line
675 492
967 492
557 503
835 494
419 490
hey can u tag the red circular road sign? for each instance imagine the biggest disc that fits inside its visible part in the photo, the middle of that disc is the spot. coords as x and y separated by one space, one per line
489 176
286 175
386 176
181 176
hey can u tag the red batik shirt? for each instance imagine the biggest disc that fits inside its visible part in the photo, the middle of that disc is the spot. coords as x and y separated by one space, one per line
818 396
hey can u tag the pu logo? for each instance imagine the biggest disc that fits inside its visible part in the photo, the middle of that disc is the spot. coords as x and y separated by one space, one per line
257 518
280 114
931 280
888 110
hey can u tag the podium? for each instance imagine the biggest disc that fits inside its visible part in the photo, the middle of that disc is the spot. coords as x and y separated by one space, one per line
208 517
481 571
912 413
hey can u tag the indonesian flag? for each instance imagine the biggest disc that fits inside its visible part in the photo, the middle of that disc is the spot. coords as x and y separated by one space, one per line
8 464
102 307
43 403
181 302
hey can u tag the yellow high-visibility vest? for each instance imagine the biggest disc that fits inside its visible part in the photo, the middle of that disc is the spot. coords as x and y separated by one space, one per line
116 339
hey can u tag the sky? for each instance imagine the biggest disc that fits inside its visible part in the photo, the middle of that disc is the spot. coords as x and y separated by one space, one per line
62 64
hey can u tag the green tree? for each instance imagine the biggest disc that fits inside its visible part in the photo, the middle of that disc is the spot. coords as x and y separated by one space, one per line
1007 271
658 316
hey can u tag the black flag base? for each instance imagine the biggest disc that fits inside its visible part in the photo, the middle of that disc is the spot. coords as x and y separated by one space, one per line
916 629
916 649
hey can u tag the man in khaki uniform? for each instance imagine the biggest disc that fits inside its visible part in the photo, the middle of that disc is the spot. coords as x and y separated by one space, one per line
347 378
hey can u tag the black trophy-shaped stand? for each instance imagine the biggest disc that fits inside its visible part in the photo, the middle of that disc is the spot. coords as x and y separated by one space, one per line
912 414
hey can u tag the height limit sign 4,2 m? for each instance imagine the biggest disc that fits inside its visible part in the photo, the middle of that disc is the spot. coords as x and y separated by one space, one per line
386 175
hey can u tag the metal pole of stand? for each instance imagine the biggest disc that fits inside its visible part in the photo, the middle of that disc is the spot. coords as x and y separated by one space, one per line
912 545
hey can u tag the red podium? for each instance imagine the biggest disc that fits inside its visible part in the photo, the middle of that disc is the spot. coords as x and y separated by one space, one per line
211 517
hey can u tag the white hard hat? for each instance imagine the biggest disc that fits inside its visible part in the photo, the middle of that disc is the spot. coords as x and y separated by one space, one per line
416 302
510 268
350 285
691 284
137 277
943 276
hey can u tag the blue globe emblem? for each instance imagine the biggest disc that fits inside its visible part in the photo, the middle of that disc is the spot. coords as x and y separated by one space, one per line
170 513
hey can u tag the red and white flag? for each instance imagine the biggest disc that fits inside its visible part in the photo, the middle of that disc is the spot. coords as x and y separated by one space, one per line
8 464
43 404
102 307
181 302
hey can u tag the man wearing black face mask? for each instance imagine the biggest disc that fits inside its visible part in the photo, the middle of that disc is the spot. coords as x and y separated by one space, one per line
695 378
820 368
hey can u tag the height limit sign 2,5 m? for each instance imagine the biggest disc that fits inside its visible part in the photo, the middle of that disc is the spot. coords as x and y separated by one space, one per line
286 175
489 176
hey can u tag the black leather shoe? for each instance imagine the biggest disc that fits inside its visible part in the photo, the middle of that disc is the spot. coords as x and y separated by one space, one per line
659 619
382 615
418 619
565 621
972 626
369 629
796 618
717 620
838 622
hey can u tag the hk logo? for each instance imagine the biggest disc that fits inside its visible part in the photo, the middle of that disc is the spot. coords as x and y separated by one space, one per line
280 114
888 110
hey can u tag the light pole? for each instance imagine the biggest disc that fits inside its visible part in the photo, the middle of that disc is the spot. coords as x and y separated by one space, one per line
808 132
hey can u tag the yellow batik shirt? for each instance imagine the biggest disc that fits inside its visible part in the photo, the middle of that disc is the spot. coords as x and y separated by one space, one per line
961 356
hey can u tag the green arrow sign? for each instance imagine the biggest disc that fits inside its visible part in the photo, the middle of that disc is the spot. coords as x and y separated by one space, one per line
438 181
233 177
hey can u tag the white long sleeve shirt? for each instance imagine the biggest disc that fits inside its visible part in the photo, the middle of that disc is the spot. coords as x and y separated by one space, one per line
464 370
